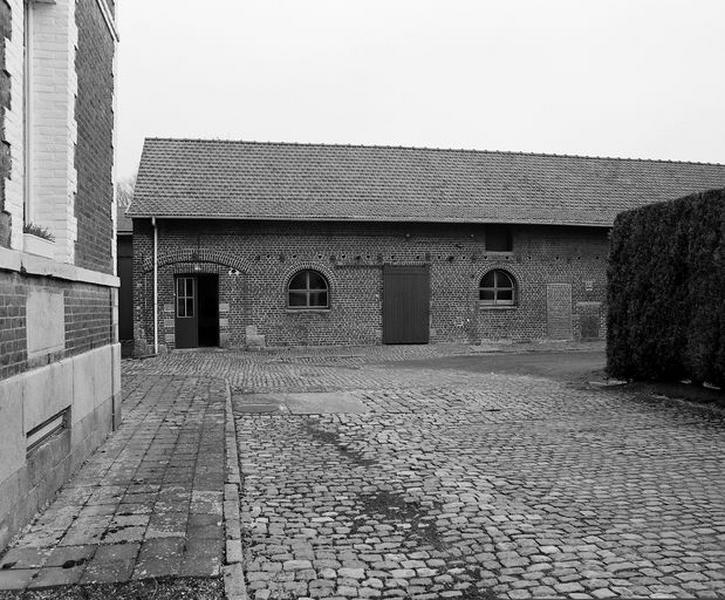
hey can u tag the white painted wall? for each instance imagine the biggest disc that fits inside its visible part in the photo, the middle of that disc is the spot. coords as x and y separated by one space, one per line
53 129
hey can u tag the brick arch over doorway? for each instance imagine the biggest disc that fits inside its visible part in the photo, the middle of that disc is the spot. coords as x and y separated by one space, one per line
226 275
196 256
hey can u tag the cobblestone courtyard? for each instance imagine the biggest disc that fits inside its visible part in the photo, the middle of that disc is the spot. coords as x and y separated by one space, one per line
395 472
476 486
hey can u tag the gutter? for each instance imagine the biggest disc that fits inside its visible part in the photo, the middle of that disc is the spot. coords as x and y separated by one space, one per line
156 286
354 219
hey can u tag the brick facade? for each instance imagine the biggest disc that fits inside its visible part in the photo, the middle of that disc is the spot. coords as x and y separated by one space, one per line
94 154
87 319
59 356
255 260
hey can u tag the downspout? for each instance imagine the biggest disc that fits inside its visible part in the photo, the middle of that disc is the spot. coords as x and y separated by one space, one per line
156 286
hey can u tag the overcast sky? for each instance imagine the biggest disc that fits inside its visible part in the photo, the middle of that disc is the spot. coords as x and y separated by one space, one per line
627 78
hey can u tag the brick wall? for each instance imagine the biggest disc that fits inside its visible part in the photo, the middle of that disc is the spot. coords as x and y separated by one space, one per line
94 151
87 319
255 260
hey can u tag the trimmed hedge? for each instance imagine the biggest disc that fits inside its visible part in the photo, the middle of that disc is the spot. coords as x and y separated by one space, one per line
666 291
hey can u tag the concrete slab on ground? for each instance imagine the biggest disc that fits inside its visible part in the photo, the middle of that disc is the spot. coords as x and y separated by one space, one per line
300 403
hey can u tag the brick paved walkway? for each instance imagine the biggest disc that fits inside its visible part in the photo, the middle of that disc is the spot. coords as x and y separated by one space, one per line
148 503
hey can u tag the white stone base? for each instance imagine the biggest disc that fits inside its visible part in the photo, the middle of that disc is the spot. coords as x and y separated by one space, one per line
89 386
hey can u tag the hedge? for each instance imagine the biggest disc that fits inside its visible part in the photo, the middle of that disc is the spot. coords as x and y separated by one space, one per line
666 291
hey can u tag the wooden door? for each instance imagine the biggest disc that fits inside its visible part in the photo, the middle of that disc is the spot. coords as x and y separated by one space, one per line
558 311
406 304
187 312
125 292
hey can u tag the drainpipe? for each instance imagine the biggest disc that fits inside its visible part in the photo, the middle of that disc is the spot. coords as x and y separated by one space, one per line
156 286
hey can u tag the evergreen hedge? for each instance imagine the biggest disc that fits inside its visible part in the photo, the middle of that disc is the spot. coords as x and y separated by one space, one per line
666 291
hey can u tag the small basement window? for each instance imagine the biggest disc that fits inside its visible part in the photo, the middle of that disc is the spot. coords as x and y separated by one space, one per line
499 239
497 288
56 424
308 289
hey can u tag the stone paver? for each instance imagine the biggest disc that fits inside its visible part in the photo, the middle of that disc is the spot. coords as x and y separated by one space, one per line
147 504
469 485
418 483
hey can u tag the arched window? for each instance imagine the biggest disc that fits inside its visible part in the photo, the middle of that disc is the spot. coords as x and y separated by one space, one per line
308 289
497 288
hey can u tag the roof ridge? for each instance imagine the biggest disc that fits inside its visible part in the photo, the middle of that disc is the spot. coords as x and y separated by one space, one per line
433 149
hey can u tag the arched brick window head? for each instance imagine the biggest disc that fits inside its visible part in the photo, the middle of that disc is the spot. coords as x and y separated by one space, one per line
497 288
308 289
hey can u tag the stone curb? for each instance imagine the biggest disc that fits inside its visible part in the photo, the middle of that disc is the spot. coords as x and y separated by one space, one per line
234 586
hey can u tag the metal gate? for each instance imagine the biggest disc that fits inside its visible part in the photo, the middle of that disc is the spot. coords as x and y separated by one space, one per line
406 304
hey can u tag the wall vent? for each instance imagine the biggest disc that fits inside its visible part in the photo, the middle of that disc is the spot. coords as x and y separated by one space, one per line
47 429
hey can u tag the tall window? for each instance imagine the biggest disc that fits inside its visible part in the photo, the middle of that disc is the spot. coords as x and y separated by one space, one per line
27 95
308 289
497 288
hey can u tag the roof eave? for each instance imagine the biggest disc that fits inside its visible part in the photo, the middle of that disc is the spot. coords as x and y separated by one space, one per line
369 220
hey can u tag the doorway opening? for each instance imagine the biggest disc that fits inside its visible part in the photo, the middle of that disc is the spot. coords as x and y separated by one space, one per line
197 310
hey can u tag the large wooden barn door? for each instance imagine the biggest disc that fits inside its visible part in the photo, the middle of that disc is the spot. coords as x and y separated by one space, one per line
406 297
558 311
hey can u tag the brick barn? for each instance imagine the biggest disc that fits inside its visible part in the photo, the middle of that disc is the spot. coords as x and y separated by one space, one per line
59 357
239 243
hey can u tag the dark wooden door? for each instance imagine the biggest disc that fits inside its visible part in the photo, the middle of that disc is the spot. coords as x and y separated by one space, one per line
406 304
187 312
125 292
558 311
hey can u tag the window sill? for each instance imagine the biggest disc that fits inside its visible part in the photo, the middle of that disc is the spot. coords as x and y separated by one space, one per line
32 244
306 311
497 307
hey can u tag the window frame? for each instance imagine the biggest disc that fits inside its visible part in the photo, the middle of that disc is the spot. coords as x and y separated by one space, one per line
496 302
27 91
183 298
307 291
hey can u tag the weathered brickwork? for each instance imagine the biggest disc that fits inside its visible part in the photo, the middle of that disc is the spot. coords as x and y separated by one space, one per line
254 262
13 353
87 319
94 154
5 33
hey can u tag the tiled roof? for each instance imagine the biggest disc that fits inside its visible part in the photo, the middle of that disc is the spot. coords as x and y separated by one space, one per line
279 181
123 221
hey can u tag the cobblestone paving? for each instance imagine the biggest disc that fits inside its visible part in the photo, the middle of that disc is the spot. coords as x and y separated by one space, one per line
474 486
320 368
147 504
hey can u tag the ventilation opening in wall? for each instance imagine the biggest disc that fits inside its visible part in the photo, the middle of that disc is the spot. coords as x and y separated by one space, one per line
48 429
